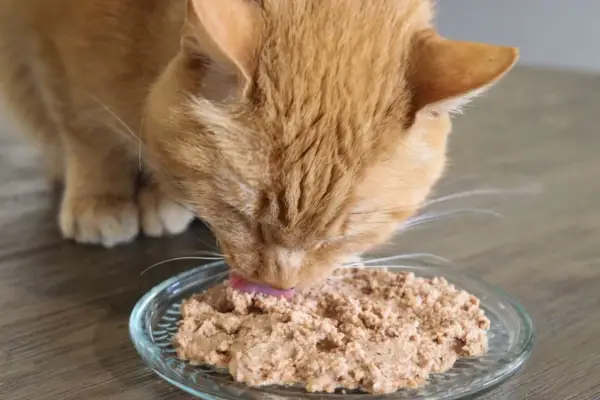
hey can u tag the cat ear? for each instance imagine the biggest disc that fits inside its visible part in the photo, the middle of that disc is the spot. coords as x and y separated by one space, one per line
226 31
447 74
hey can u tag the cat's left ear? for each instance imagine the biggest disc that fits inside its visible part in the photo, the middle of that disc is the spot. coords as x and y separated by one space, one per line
226 31
446 74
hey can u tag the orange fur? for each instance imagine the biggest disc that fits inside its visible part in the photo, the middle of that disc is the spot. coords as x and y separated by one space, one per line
303 132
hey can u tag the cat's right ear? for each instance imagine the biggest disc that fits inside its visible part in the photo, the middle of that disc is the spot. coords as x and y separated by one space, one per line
226 31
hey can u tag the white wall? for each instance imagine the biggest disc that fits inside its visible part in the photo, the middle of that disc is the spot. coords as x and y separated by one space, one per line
554 33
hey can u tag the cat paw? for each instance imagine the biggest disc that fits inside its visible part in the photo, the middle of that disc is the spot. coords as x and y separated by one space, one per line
161 216
104 220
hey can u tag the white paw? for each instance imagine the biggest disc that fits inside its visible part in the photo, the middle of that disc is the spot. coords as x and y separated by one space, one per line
104 220
162 216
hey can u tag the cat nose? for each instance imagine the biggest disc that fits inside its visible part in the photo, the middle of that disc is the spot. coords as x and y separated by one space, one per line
281 267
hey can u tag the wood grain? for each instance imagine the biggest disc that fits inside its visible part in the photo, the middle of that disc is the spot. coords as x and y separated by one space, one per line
64 308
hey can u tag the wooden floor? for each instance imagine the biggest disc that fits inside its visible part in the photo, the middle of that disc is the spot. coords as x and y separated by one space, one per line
64 308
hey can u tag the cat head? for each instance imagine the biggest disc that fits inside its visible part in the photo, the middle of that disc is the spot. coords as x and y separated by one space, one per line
307 131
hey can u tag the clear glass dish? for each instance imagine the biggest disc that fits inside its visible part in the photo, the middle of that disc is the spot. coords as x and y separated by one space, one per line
153 323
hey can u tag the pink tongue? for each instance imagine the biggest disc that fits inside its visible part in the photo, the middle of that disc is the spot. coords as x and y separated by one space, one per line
239 283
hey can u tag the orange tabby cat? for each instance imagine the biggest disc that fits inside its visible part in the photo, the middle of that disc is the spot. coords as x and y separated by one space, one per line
304 131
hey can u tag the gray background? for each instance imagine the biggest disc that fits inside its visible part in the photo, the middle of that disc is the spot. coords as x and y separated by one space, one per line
550 33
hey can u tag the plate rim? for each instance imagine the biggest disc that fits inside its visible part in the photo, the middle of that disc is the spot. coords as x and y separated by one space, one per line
143 343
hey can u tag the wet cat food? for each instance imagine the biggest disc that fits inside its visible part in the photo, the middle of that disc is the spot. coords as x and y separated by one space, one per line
367 329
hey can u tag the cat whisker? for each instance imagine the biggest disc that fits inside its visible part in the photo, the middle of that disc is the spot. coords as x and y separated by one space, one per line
180 259
413 256
190 209
208 253
132 135
421 256
338 282
438 215
338 278
220 276
529 189
403 208
455 180
434 216
211 246
117 118
140 144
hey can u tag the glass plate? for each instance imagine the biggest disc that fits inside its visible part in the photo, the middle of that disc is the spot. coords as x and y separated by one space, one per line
153 323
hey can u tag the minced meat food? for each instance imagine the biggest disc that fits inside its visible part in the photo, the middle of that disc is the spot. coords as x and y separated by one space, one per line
368 329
